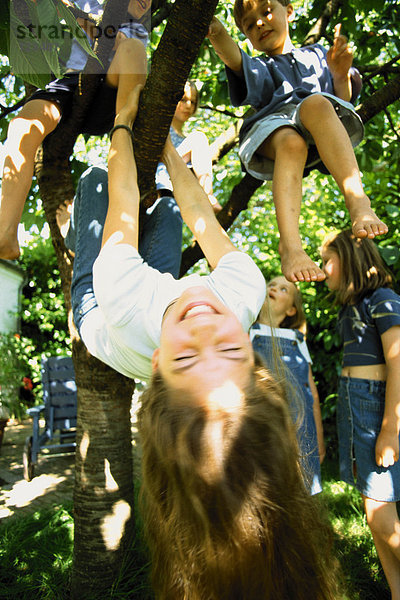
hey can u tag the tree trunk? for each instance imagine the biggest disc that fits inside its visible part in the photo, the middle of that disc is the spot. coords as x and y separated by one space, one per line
103 493
170 68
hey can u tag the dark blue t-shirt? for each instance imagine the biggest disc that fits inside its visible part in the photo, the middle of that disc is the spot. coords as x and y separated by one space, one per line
271 82
361 325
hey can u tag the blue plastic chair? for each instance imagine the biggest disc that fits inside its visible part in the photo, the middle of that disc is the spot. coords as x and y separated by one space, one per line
59 410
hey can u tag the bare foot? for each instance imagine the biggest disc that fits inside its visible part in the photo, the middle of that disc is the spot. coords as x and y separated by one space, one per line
298 266
364 222
367 224
63 217
9 247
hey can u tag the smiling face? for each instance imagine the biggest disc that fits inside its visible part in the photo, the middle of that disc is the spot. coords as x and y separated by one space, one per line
138 8
203 346
331 268
266 25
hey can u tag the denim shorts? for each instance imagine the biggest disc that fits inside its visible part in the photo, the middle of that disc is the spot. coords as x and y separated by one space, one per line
289 116
360 408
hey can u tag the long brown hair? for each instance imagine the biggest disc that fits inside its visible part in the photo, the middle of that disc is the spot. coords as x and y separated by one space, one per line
226 512
362 269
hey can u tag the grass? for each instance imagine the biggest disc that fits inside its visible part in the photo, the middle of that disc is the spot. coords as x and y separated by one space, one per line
36 552
354 545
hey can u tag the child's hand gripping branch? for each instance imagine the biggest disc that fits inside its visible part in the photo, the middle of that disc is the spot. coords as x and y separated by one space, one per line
303 117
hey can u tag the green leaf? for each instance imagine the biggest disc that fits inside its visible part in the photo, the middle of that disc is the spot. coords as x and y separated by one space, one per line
390 254
392 211
73 27
26 56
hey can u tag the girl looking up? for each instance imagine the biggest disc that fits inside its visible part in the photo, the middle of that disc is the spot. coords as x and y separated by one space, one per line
194 148
368 410
277 337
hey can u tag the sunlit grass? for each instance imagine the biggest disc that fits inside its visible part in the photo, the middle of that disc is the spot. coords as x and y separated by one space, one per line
36 552
353 540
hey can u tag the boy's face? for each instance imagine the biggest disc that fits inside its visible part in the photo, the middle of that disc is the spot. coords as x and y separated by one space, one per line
266 25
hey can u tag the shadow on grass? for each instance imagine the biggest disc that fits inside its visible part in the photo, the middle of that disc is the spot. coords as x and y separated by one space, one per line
36 559
354 545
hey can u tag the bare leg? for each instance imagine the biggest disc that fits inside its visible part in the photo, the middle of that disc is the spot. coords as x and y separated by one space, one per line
385 528
26 132
128 68
289 151
333 143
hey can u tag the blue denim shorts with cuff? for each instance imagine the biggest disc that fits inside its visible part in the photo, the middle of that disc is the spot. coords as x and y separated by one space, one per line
361 403
289 116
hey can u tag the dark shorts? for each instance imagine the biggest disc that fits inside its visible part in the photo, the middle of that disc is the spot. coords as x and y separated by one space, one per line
101 113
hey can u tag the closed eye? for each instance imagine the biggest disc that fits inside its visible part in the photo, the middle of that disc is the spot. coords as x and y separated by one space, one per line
180 358
233 352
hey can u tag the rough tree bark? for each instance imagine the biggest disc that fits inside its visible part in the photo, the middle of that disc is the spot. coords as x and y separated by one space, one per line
177 50
103 493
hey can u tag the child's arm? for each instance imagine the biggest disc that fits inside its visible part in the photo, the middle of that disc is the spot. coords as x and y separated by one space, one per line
228 50
123 208
317 415
387 444
195 208
340 59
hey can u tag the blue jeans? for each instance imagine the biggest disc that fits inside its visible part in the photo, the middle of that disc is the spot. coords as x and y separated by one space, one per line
360 407
160 244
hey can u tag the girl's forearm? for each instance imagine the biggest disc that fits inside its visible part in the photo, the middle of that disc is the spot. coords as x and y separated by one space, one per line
391 415
195 208
123 208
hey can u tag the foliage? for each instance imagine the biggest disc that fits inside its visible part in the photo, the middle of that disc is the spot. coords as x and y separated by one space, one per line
44 318
38 37
14 367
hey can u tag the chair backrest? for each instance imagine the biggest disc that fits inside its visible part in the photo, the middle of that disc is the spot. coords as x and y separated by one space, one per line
59 391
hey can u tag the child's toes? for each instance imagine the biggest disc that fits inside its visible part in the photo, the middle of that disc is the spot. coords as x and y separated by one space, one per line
368 225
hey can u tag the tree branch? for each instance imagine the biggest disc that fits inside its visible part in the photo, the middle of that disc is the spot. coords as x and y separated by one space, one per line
179 46
380 100
319 28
